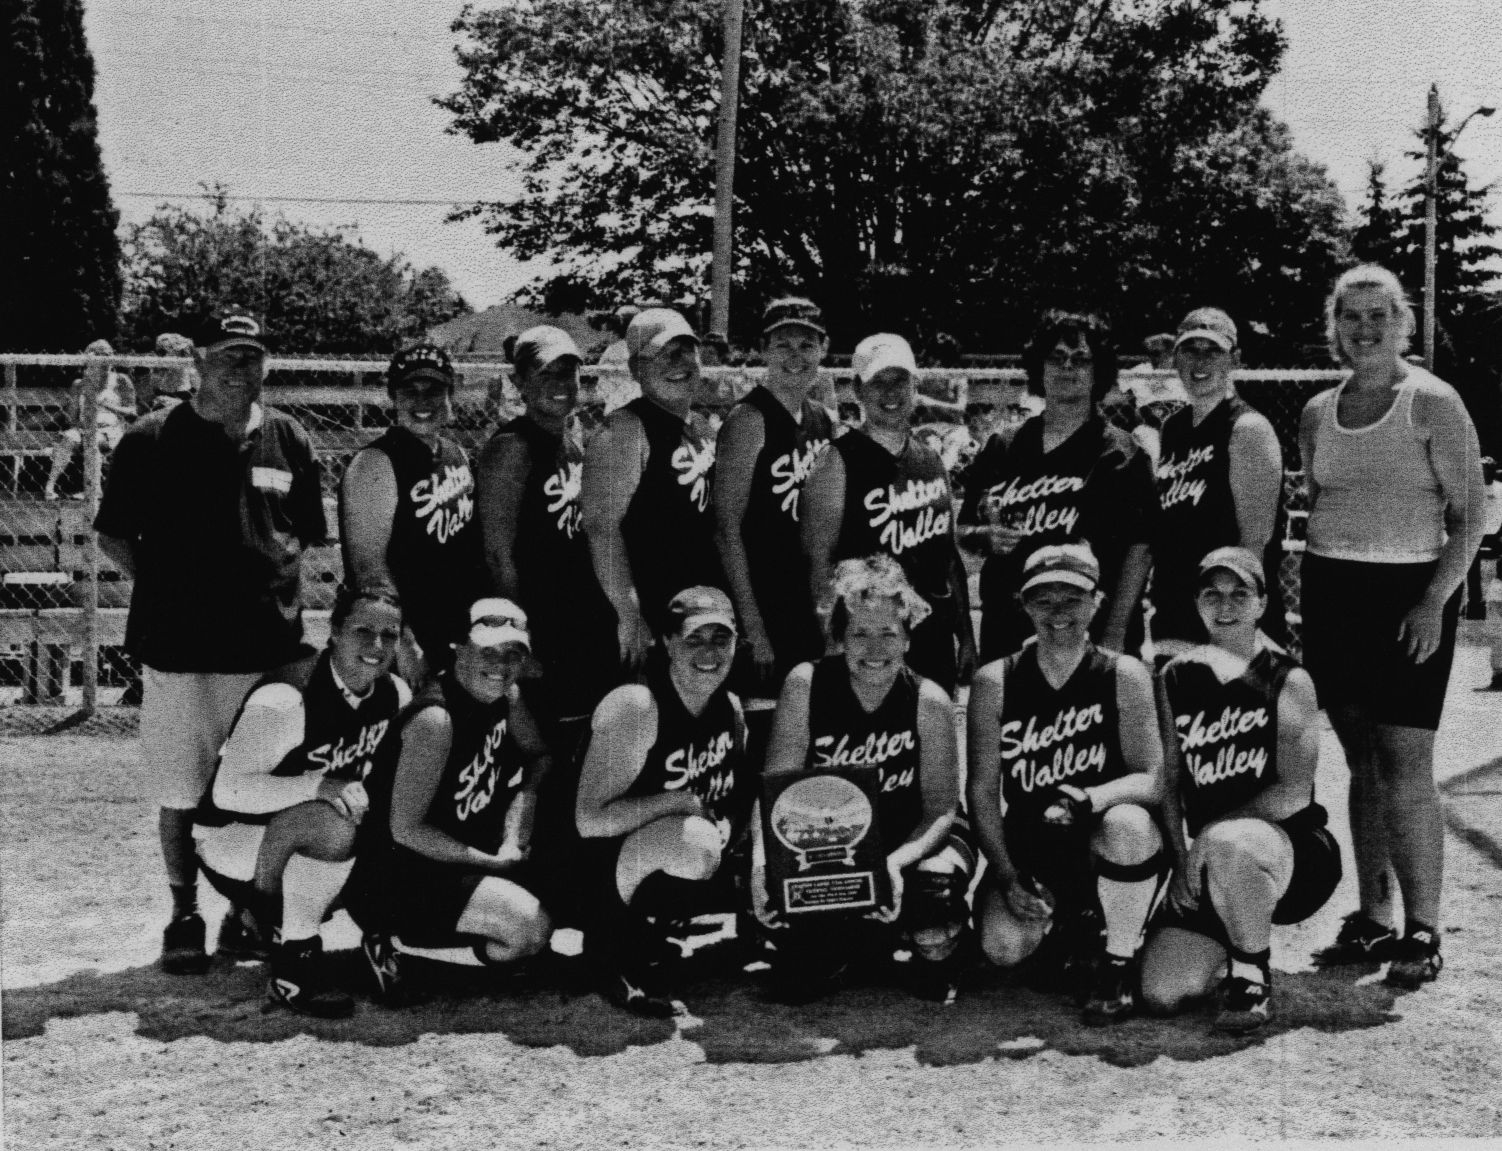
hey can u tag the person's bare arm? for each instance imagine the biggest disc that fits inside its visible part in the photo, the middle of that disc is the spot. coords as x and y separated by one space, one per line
938 777
613 465
624 729
516 842
1135 565
366 514
1308 431
822 509
504 465
1141 744
1298 753
1256 464
740 443
1455 456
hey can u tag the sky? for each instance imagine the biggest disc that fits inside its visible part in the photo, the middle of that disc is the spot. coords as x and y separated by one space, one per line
331 104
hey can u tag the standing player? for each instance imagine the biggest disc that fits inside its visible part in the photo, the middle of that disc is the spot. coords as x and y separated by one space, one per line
1066 734
766 450
1065 476
663 800
646 486
276 831
441 867
208 506
879 490
867 707
407 505
1242 732
1220 476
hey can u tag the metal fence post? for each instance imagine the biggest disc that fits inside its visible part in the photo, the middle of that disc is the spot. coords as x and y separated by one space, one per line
89 426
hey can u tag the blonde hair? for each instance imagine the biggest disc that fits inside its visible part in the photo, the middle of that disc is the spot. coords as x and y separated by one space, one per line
1368 276
875 577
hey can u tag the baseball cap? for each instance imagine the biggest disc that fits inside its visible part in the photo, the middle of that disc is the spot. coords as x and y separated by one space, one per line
540 346
792 311
494 621
879 352
694 607
230 330
420 360
1207 324
1240 562
654 329
1071 564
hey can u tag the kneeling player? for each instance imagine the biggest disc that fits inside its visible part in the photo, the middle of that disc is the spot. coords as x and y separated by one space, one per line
1241 774
1065 732
276 831
442 872
663 800
867 698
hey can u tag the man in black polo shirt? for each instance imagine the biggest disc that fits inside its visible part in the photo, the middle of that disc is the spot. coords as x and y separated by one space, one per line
208 506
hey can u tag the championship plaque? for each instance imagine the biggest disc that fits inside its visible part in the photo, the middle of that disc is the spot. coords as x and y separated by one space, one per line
824 851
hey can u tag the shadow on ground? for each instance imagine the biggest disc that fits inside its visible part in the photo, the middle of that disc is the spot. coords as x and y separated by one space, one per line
728 1019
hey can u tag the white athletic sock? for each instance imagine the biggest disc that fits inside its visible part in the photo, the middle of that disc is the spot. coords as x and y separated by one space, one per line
309 888
1249 971
463 956
1125 904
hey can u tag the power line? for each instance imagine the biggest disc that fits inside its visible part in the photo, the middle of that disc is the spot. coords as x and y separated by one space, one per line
459 203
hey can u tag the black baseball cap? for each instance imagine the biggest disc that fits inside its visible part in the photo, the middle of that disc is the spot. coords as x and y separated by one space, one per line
230 329
420 360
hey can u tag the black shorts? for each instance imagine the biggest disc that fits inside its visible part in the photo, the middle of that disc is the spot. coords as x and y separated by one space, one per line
1351 612
1316 873
398 892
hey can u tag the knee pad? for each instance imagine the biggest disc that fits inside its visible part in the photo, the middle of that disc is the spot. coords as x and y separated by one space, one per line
1149 868
935 899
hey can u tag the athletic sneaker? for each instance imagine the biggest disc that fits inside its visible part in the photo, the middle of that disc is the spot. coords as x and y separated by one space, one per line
182 946
385 965
299 980
1244 1005
797 985
1114 994
240 937
1360 940
631 993
1415 961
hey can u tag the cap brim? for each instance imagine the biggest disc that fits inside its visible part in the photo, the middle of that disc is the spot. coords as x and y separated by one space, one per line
693 623
1219 339
663 339
498 635
883 363
236 342
1250 578
423 373
1070 579
793 322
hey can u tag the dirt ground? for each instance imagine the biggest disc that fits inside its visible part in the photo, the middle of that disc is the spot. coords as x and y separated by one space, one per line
103 1051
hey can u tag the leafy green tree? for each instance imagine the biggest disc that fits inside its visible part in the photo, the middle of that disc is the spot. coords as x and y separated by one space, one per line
953 165
320 290
57 222
1378 238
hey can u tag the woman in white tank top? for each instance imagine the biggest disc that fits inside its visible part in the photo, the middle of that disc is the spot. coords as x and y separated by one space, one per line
1395 495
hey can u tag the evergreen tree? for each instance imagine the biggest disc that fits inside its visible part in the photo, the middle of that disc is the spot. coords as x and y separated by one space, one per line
1378 238
61 258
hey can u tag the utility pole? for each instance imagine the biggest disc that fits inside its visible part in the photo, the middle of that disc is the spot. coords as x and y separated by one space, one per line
724 189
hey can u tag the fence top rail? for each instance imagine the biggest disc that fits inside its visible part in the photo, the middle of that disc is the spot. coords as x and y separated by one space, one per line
483 368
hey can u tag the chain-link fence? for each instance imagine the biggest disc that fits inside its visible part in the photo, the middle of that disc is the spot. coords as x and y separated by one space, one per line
63 603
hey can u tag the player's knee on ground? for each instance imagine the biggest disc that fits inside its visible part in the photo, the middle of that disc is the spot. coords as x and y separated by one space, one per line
1179 967
1127 834
510 917
1005 940
936 912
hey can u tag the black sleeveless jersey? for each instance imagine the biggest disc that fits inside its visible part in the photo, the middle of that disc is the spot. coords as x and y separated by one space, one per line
1199 515
339 741
1095 486
844 735
774 551
1050 737
435 553
669 527
1228 732
481 776
705 754
898 504
551 552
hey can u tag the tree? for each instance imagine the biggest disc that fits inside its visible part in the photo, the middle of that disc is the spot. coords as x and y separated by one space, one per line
1378 237
927 165
61 255
319 290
